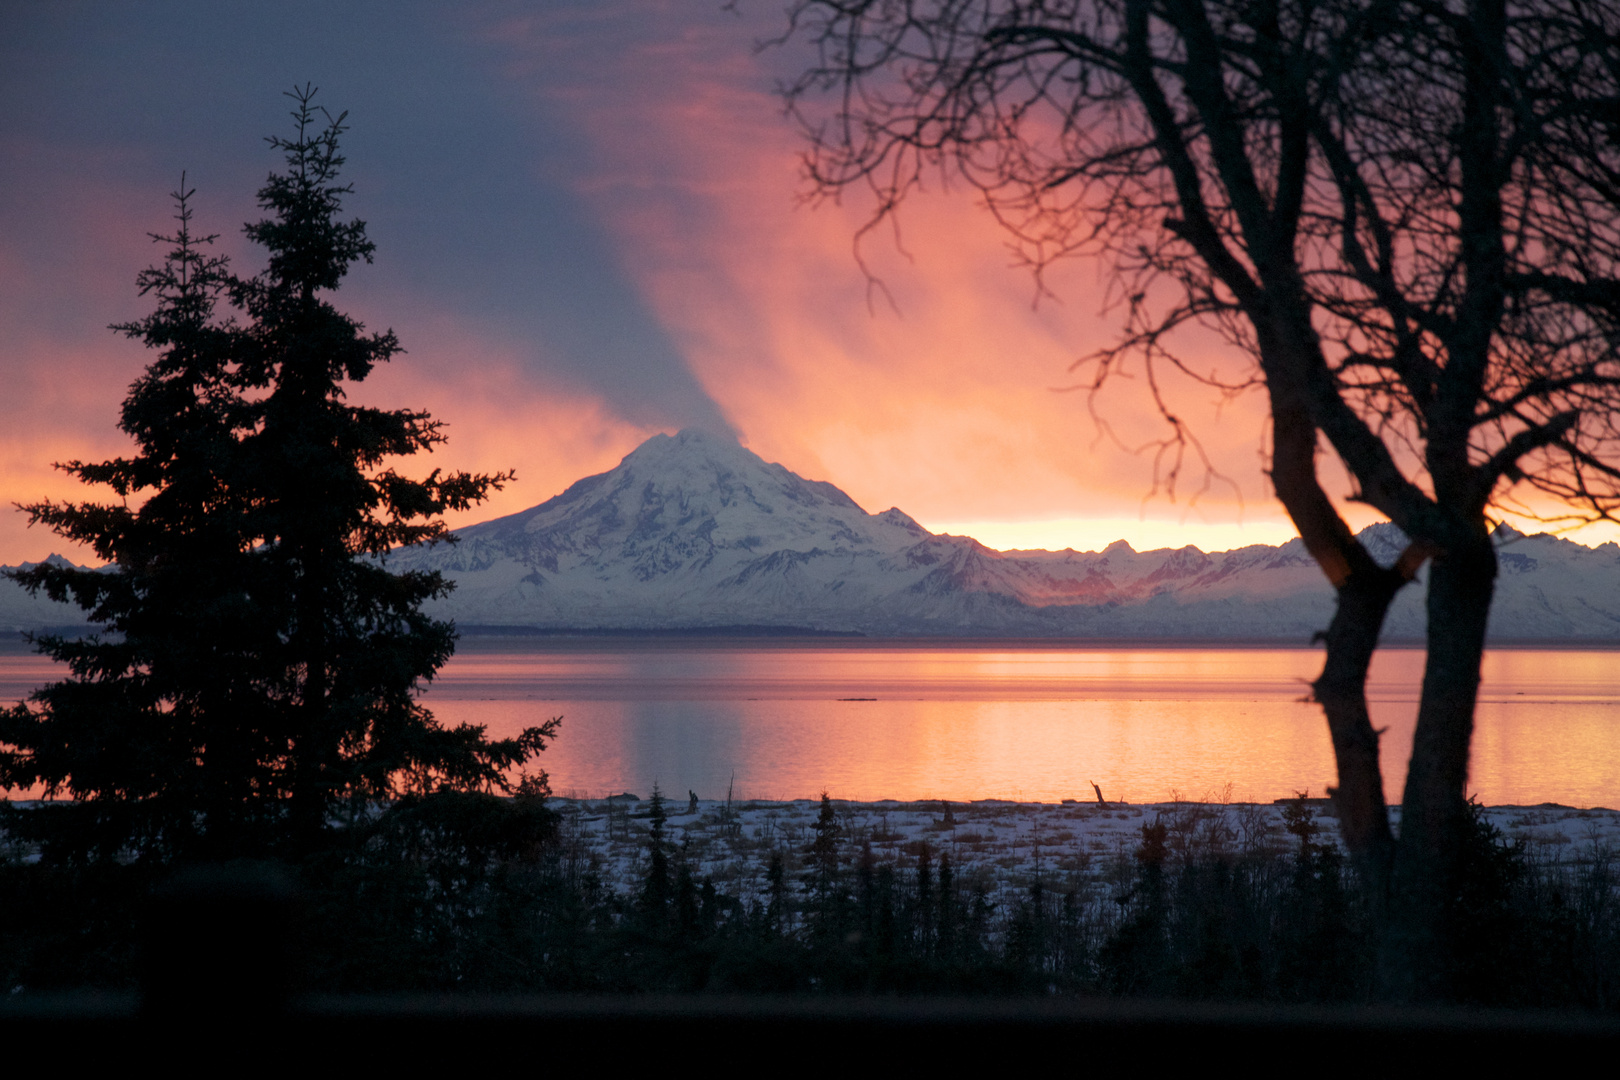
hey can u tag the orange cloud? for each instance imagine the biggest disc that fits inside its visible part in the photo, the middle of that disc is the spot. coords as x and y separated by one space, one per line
498 416
63 405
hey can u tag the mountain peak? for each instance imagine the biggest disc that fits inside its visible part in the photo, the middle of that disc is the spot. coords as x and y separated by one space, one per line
686 443
695 460
693 529
688 438
677 508
896 516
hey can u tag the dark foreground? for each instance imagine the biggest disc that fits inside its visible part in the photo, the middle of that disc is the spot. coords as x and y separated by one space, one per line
620 1029
466 909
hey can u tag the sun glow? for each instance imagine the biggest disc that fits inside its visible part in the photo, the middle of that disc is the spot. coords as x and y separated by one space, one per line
1094 534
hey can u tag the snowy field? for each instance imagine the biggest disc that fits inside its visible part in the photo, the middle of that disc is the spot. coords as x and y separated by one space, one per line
995 845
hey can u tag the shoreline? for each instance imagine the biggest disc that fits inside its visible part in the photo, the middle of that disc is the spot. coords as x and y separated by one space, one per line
540 639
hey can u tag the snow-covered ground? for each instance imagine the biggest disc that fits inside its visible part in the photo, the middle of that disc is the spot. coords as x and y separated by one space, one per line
993 844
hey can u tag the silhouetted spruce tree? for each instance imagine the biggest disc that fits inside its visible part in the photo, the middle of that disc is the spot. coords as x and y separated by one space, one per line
1135 960
776 913
946 922
1320 940
828 900
656 890
922 918
823 850
258 664
185 606
690 911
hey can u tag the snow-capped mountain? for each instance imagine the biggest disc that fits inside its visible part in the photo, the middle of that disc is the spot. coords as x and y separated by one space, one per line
693 530
20 612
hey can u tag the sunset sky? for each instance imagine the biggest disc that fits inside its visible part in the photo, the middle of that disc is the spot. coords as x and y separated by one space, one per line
590 228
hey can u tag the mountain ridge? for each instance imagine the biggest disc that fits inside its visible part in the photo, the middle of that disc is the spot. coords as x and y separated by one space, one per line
693 532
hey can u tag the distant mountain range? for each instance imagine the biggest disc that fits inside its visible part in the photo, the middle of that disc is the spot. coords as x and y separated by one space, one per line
693 532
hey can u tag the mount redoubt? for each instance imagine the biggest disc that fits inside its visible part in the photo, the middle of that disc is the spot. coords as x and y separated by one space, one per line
693 532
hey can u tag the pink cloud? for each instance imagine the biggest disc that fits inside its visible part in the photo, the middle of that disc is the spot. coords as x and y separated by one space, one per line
945 404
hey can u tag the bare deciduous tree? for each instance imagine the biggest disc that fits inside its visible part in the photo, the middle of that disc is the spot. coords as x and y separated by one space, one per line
1404 213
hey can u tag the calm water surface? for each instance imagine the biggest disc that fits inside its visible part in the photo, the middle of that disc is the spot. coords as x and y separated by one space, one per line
973 720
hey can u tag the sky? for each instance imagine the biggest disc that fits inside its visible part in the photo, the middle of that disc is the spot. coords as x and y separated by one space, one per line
591 227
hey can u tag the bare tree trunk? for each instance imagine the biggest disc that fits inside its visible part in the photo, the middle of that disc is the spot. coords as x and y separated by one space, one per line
1413 962
1363 601
1365 591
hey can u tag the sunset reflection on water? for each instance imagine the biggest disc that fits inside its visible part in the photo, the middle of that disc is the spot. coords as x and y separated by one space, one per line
975 720
1040 722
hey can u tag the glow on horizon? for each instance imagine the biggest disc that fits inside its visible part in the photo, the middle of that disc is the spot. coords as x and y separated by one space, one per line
1149 534
1094 534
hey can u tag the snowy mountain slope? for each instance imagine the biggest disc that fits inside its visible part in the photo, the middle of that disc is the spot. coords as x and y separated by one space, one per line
693 530
21 612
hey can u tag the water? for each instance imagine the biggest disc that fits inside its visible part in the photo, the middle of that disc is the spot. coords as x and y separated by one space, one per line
975 719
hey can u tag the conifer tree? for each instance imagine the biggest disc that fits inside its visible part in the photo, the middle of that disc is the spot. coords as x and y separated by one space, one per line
656 892
776 909
259 663
923 919
823 850
829 899
124 736
947 918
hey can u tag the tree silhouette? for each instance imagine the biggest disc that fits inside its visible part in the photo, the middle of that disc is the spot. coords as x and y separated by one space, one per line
258 664
1403 214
